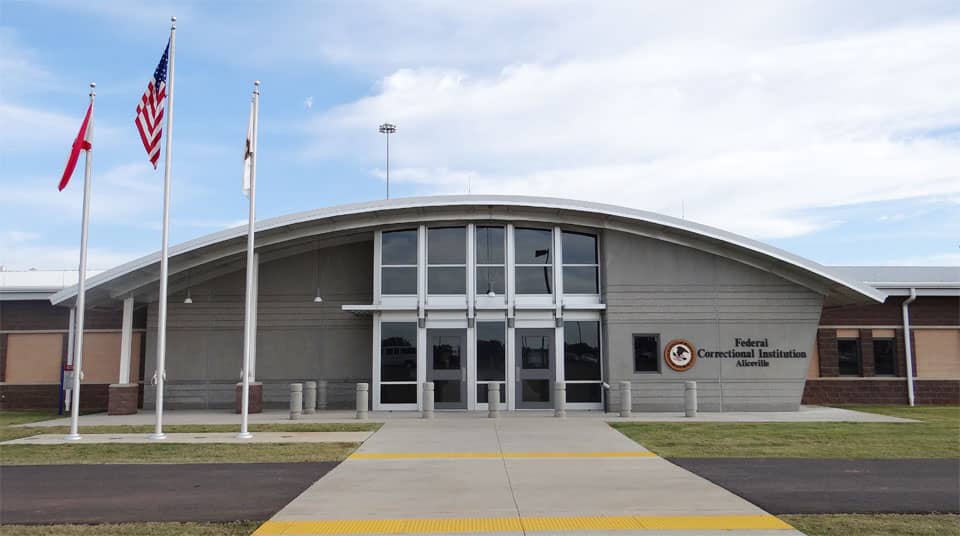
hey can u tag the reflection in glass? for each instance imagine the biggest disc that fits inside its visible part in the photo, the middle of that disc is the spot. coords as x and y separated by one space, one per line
398 280
646 353
581 350
446 352
398 247
883 357
490 279
583 392
533 246
534 352
535 390
446 245
445 391
398 351
446 280
490 245
398 394
579 248
491 351
580 280
534 280
848 351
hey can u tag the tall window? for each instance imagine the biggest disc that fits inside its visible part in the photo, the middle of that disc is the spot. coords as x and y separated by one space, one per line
848 350
581 361
580 264
491 358
398 261
534 261
884 354
490 256
398 363
646 353
446 260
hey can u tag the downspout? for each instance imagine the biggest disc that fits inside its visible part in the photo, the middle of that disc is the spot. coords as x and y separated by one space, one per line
906 343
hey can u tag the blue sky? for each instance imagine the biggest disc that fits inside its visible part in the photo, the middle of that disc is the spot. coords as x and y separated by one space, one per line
830 130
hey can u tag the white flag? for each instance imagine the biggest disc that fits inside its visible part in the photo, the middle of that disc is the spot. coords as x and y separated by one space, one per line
248 155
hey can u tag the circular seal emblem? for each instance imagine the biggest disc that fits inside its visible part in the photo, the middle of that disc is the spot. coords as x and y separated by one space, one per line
680 355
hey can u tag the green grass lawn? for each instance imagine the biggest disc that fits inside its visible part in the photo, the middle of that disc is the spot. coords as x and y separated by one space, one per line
135 529
875 524
168 452
936 436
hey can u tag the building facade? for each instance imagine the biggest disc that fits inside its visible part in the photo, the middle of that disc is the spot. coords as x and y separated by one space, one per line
522 292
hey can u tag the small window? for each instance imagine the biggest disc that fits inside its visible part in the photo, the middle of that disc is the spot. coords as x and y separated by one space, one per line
884 354
446 260
490 245
580 263
848 351
646 353
534 261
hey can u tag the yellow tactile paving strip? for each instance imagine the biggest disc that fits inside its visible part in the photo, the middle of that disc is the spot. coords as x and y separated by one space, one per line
442 455
515 524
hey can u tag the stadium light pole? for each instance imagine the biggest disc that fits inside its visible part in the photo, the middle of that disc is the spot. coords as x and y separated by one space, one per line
388 129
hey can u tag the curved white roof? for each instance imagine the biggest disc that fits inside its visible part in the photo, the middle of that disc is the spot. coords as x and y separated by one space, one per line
217 246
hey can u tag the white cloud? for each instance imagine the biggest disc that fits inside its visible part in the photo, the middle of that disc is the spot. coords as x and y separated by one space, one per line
748 138
308 103
26 250
936 259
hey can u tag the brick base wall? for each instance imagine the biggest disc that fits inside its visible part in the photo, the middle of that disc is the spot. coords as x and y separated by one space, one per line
47 396
880 391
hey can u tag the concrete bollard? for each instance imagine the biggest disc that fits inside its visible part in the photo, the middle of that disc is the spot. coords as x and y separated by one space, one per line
321 394
427 412
363 391
296 400
493 400
560 400
309 397
690 399
626 400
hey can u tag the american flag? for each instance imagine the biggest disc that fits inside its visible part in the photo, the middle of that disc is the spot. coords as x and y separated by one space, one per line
150 110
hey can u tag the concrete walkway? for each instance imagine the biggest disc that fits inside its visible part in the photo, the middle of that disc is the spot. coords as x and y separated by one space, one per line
514 476
274 416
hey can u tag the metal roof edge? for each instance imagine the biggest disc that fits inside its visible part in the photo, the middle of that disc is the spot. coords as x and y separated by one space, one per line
480 200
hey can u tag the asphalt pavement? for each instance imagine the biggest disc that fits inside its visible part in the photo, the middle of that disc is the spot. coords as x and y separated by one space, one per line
835 486
159 492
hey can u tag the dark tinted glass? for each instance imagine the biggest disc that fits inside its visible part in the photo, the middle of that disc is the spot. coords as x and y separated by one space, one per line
399 247
583 392
446 280
579 248
883 357
446 391
446 352
646 353
490 245
581 351
399 281
849 353
535 391
580 280
534 352
534 280
491 351
447 245
398 352
533 246
490 278
398 394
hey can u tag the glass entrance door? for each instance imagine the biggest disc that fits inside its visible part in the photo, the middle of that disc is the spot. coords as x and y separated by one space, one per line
447 367
535 367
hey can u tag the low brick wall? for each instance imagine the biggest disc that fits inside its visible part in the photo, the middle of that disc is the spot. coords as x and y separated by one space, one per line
879 391
47 396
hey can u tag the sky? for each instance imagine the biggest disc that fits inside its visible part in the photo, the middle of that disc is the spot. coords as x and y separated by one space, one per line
829 129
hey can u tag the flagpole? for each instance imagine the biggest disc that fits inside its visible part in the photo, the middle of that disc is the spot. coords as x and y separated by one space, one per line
161 371
74 434
248 320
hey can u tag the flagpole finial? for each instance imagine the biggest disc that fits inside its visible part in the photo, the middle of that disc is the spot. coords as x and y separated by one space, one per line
173 23
256 87
93 89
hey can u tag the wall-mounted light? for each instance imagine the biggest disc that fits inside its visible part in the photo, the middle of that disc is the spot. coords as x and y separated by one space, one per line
188 300
317 298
